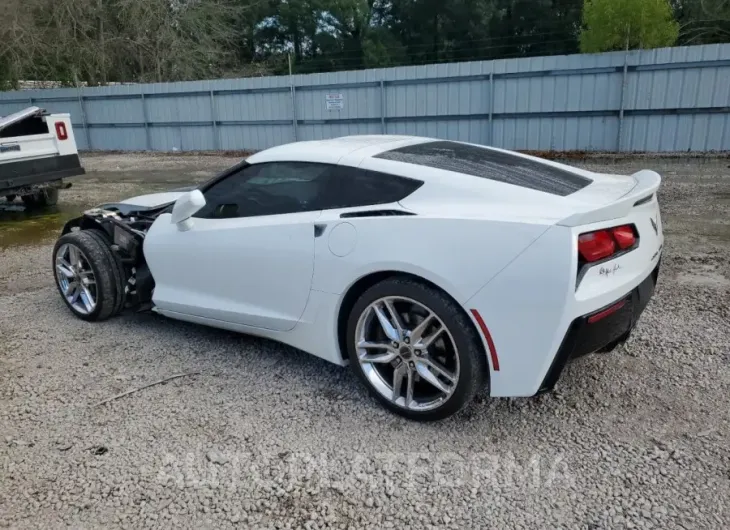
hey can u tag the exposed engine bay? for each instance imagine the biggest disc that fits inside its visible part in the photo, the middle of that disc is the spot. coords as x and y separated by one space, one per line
124 227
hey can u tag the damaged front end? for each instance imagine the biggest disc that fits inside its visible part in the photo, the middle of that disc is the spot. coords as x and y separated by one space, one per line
124 227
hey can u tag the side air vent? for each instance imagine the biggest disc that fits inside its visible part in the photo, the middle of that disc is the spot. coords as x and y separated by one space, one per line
644 200
375 213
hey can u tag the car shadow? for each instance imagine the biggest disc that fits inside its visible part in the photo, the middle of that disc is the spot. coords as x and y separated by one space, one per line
228 352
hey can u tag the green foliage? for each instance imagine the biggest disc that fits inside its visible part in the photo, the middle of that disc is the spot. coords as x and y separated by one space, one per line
101 41
613 24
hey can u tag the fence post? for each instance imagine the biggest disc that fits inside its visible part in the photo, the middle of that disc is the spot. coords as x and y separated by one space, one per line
214 119
621 108
292 89
294 111
382 106
148 139
491 105
83 117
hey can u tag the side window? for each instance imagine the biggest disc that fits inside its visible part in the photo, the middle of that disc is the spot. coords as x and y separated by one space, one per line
269 189
361 187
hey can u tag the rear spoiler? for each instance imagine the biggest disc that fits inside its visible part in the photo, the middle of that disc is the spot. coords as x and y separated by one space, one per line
647 183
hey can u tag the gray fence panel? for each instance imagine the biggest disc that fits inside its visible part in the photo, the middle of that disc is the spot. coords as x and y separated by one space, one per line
253 107
664 100
333 130
234 137
112 111
117 138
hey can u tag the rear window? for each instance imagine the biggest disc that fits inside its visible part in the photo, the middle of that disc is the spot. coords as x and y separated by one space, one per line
493 165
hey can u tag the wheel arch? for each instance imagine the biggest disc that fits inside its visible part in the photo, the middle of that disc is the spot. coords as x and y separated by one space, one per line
83 222
365 282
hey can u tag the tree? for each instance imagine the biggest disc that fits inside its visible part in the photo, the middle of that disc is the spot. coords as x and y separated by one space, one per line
610 25
438 31
703 21
17 41
103 41
524 28
170 40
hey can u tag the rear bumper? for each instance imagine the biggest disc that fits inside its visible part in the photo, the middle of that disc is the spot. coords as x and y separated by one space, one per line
37 171
602 329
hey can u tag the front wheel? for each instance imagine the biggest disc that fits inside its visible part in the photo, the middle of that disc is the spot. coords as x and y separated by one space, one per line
415 349
87 275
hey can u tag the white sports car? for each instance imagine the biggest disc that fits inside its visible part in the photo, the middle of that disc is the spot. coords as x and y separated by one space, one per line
434 268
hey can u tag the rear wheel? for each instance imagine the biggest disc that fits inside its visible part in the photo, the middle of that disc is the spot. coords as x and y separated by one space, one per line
415 349
41 198
10 198
85 273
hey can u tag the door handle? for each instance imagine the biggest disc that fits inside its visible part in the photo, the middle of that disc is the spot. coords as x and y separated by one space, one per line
319 229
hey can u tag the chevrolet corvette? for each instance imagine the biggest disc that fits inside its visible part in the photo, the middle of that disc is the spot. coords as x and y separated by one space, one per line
434 269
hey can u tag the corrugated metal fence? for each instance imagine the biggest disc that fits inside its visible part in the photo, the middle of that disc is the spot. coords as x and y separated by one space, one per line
664 100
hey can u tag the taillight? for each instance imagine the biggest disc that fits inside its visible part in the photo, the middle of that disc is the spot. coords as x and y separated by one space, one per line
596 245
601 244
61 132
624 236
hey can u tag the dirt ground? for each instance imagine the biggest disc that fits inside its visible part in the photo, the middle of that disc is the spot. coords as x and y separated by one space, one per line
263 436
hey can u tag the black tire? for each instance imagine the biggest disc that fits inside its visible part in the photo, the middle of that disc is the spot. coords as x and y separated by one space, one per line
30 201
120 276
474 372
49 196
99 258
41 199
10 198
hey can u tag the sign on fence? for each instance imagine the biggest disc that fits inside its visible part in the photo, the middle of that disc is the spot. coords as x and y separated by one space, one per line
334 101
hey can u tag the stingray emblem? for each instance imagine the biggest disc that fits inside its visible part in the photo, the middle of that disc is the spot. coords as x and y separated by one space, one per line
654 226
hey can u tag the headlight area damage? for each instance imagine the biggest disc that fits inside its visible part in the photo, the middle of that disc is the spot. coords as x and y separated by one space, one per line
123 227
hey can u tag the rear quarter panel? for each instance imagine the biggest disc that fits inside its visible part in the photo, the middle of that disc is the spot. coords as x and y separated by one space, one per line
529 306
458 255
527 309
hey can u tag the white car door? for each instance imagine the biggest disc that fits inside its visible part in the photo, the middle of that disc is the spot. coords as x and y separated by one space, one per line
249 256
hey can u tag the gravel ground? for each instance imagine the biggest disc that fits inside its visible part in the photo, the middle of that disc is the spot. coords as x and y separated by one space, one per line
267 437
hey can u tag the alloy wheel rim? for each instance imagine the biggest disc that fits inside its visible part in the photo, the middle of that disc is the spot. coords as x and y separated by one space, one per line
407 353
76 279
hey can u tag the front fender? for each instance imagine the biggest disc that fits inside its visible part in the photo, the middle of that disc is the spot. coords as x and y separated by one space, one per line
84 222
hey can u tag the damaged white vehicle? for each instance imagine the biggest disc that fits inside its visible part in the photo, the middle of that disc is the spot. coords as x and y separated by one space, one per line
434 268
